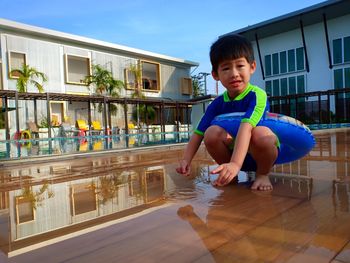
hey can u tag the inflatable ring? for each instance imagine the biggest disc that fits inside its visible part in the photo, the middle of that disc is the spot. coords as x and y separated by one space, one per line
296 139
26 134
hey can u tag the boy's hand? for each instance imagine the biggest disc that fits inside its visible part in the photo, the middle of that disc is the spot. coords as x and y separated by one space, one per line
227 172
184 168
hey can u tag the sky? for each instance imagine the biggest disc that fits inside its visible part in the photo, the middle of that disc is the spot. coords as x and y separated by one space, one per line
180 28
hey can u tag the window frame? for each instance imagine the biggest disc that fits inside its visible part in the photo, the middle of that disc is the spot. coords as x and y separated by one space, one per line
82 82
157 74
291 83
18 199
10 62
186 86
268 65
75 198
127 84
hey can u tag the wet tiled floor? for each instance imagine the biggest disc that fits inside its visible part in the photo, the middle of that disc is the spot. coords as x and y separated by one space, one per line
133 207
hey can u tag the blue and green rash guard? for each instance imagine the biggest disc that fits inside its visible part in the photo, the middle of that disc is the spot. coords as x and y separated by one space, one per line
253 101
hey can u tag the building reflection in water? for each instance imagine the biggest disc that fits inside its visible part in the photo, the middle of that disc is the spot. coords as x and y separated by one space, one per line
329 161
33 211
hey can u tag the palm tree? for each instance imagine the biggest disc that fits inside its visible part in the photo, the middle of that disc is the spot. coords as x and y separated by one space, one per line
143 112
136 70
197 86
105 84
29 75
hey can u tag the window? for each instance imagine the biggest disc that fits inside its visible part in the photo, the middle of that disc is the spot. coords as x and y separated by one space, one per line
275 64
338 79
83 199
301 84
292 85
284 87
130 81
24 210
347 49
16 60
287 86
283 61
291 60
150 76
276 87
337 51
268 88
57 113
341 50
154 184
347 77
300 58
186 86
77 69
268 65
341 79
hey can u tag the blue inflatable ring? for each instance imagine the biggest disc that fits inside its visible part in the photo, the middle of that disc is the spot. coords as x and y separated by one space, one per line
296 139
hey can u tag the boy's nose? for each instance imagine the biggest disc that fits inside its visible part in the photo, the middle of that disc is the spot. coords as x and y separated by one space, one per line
234 72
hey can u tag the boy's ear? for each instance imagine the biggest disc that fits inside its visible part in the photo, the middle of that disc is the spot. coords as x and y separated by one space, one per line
215 75
253 67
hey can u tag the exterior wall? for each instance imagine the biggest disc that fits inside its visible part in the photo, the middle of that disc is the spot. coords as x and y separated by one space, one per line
198 111
48 57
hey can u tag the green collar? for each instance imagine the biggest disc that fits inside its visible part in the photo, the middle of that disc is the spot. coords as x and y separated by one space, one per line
239 96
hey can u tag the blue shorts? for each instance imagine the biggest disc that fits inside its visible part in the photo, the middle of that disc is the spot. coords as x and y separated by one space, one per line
249 164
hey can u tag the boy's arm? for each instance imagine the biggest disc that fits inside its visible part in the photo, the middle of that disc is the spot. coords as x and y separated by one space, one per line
242 142
228 171
190 151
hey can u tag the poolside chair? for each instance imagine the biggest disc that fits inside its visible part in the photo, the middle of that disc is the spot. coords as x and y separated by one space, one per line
34 129
132 128
96 127
82 126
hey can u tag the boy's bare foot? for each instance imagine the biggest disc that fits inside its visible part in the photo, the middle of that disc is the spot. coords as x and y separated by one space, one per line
262 183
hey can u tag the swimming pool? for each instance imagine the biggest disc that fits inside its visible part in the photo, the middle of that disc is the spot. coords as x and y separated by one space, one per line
18 149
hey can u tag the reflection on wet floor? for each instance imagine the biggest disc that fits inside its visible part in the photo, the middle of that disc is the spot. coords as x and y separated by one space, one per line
134 207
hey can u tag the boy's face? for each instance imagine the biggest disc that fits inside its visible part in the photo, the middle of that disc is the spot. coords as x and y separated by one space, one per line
234 75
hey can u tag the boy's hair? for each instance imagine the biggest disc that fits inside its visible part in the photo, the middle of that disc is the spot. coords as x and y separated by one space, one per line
230 47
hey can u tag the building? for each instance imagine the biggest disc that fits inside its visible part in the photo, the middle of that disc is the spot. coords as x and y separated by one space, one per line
303 52
67 59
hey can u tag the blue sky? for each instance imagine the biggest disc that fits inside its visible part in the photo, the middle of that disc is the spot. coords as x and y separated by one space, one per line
183 28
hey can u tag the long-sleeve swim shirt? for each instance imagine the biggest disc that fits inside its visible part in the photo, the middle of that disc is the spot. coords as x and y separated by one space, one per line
252 102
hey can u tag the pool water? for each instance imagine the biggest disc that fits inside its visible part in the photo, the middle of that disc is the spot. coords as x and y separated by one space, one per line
69 145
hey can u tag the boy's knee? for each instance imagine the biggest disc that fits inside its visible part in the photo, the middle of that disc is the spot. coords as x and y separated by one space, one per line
262 137
214 134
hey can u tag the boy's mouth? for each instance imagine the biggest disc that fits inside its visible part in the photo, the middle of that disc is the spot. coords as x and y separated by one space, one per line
235 83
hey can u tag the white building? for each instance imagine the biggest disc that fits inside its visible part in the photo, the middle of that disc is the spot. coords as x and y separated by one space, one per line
303 51
67 59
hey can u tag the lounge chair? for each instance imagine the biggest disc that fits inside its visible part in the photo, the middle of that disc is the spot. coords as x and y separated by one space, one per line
34 129
96 127
82 125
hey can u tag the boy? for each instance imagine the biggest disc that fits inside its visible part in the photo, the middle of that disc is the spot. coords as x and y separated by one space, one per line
255 147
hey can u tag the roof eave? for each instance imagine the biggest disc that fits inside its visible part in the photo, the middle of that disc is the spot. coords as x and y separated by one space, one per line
310 15
57 35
